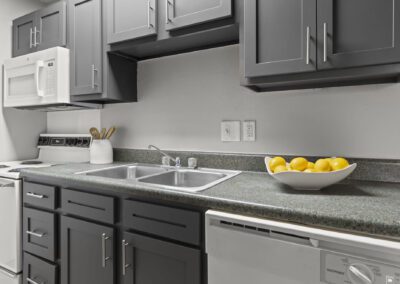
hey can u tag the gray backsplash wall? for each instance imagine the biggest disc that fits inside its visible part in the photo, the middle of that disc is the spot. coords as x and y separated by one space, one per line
183 98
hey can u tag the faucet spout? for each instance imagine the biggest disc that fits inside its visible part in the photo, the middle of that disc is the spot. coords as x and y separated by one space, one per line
177 161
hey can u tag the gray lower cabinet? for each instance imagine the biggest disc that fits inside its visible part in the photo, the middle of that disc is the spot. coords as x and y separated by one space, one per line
279 37
86 46
358 33
146 260
23 29
37 270
87 252
184 13
131 19
40 30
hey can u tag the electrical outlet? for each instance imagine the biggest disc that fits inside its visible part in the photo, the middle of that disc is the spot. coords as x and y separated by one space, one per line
249 130
230 131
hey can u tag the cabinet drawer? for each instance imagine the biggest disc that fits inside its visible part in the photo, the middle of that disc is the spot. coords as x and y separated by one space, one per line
91 206
39 233
177 224
40 195
38 270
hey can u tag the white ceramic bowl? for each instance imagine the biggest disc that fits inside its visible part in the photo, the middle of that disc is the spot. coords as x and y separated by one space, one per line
310 181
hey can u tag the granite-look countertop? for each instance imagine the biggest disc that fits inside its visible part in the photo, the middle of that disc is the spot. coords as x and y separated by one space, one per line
368 208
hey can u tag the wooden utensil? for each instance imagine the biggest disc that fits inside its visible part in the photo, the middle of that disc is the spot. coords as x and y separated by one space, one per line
95 133
110 132
103 133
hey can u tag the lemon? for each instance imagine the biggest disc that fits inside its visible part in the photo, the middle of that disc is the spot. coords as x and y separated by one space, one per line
339 164
299 164
310 170
277 161
322 165
310 165
330 161
280 169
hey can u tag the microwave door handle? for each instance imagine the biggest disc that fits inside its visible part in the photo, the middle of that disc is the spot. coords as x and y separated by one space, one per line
39 65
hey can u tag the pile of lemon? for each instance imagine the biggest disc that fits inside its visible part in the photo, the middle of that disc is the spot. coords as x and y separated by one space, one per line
299 164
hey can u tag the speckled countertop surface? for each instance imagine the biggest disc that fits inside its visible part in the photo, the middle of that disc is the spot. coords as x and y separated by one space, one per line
368 208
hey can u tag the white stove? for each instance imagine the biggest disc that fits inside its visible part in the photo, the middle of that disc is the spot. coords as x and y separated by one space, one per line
53 150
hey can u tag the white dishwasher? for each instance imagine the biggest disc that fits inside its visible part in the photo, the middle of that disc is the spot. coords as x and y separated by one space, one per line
245 250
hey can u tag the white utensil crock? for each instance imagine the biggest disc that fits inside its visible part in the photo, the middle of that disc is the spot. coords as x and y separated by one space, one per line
101 152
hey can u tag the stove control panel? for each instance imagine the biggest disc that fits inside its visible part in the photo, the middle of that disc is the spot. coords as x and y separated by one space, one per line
346 269
65 141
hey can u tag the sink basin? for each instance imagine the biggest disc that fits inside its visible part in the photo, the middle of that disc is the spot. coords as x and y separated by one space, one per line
182 179
128 172
189 180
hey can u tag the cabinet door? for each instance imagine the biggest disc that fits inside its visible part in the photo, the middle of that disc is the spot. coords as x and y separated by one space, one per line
87 252
129 19
358 33
23 32
279 37
85 35
52 26
146 260
183 13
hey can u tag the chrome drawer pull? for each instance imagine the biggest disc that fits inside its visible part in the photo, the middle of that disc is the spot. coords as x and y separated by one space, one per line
38 196
34 282
39 235
325 43
104 256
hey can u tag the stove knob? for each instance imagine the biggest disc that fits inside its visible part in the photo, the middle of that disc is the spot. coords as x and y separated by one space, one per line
86 142
360 274
79 142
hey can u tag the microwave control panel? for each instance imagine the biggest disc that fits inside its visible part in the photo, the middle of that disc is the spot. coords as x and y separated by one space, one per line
50 77
339 268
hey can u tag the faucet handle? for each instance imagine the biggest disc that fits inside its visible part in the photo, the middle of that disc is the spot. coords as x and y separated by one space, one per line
166 161
178 162
192 163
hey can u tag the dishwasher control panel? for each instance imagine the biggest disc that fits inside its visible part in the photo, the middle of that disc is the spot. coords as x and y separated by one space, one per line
346 269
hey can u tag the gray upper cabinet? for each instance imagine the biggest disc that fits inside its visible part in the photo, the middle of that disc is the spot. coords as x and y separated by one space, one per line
129 19
358 33
51 22
184 13
87 252
279 37
23 32
146 260
86 52
40 30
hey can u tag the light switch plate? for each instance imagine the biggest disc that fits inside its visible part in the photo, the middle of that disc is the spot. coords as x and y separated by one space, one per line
230 131
249 130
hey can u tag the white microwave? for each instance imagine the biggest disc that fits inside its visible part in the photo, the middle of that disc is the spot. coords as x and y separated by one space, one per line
39 80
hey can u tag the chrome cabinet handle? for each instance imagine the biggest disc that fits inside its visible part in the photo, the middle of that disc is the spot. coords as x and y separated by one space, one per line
29 280
31 38
308 46
38 196
167 4
124 244
34 36
104 257
149 10
325 43
35 234
94 70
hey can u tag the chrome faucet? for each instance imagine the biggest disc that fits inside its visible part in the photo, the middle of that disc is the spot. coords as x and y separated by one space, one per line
176 160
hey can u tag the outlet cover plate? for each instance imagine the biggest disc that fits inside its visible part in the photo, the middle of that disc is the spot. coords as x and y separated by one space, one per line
249 130
230 131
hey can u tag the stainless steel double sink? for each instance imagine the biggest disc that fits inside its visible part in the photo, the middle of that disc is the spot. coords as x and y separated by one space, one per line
183 179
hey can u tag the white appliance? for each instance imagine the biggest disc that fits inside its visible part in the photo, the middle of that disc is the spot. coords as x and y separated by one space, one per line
40 80
53 149
256 251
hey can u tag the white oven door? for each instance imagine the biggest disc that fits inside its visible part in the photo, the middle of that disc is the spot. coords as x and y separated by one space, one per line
10 225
